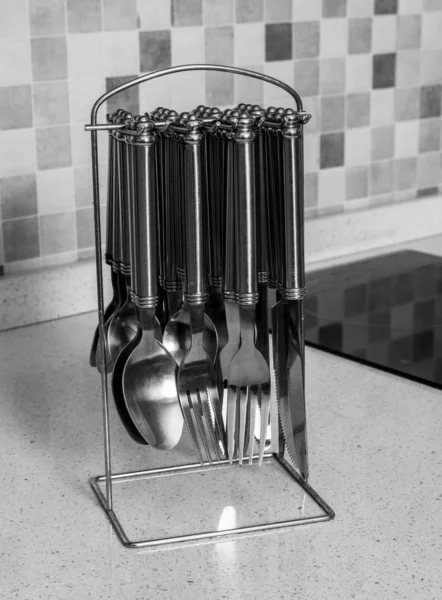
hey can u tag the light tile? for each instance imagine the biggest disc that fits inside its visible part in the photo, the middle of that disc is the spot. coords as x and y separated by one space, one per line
14 21
359 68
25 230
159 93
311 153
187 45
51 103
186 13
313 106
57 233
18 196
428 170
194 84
85 228
334 37
119 15
82 95
311 191
382 107
409 31
306 39
47 17
249 90
332 74
249 43
219 45
431 31
249 11
83 186
121 52
406 138
408 68
405 173
16 107
307 11
277 12
55 190
360 8
154 15
85 55
410 7
155 50
53 147
17 152
357 182
17 71
84 16
382 142
217 12
49 58
219 88
358 146
307 77
384 34
431 66
331 187
430 5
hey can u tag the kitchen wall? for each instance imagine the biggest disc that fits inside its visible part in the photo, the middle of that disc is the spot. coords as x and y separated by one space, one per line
369 71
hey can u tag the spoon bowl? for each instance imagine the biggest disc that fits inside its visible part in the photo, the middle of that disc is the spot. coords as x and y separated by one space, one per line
177 337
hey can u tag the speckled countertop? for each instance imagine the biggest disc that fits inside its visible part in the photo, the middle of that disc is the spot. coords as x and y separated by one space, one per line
375 455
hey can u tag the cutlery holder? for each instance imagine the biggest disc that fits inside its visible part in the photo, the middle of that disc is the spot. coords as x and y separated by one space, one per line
284 271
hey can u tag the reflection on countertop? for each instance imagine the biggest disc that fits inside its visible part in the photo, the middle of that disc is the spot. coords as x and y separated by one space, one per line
375 457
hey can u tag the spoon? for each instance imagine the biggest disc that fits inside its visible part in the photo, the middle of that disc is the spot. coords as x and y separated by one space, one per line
149 374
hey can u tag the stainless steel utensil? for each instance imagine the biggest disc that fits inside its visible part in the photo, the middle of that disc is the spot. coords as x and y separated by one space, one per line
197 382
249 375
149 375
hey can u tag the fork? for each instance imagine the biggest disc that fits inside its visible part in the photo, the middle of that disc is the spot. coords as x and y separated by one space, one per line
249 373
197 382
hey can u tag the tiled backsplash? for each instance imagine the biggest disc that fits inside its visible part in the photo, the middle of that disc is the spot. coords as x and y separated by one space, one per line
369 71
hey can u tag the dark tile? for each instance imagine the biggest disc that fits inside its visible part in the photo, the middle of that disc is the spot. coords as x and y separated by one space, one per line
430 101
331 336
187 13
218 12
16 107
53 147
409 31
405 173
429 135
357 182
311 307
49 58
424 314
423 345
355 300
401 351
424 193
85 228
20 238
382 177
332 113
155 50
307 77
384 70
84 16
360 353
19 196
424 279
334 8
379 326
359 36
278 41
332 150
119 15
249 11
57 233
219 88
401 289
379 295
51 103
407 104
47 17
129 99
385 7
306 39
358 110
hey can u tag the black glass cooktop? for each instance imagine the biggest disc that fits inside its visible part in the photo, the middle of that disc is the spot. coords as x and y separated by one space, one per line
384 311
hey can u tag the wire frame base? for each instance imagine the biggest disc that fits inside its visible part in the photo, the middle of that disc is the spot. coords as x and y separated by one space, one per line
327 512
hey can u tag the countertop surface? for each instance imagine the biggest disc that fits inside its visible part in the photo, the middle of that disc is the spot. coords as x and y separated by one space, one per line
375 456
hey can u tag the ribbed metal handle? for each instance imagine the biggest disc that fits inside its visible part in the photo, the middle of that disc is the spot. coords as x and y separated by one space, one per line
196 267
110 203
294 276
143 221
124 209
230 245
245 207
118 192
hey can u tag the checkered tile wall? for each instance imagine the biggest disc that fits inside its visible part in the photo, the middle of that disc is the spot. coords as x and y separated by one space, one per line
369 71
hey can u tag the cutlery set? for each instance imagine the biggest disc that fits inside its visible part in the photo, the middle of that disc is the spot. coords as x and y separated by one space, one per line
204 216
